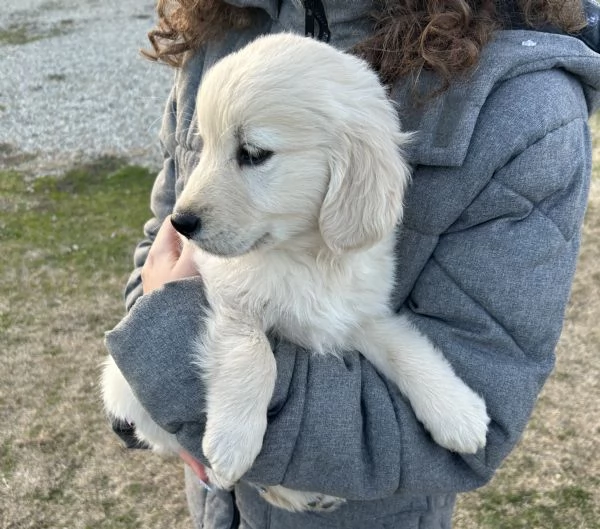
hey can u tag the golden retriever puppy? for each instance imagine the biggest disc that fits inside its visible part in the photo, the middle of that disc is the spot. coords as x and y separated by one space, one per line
292 210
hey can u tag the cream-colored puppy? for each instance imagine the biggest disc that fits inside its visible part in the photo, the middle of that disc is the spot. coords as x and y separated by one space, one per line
292 208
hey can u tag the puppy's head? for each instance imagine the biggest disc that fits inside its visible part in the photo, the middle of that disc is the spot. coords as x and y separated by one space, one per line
298 138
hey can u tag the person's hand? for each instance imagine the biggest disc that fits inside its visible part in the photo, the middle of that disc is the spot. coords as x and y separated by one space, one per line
197 467
168 259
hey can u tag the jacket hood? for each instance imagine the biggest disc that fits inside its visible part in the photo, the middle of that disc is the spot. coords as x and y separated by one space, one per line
270 6
447 122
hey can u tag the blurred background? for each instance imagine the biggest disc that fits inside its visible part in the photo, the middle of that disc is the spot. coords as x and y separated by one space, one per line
80 111
73 85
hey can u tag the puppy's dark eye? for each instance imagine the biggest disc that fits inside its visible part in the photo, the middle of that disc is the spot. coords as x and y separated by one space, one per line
247 155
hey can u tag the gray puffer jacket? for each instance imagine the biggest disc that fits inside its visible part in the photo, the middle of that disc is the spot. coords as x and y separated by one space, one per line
486 256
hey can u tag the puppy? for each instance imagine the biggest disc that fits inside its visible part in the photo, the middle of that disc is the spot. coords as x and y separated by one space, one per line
292 210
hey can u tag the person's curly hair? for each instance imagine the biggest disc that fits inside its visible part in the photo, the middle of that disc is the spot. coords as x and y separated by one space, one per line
408 35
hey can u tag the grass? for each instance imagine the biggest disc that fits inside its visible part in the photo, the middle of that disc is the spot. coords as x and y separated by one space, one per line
62 224
66 247
559 508
65 253
17 34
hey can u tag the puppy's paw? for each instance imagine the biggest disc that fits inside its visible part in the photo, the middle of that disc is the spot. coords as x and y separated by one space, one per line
298 501
231 447
459 421
121 404
218 481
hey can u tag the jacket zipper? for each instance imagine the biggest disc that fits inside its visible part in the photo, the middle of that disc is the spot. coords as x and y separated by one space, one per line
314 10
235 522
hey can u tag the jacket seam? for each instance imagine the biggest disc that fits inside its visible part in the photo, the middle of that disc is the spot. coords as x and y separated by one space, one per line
305 385
400 430
535 141
505 165
479 304
507 186
535 207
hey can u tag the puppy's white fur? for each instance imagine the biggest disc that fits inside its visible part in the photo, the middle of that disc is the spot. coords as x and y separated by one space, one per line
300 242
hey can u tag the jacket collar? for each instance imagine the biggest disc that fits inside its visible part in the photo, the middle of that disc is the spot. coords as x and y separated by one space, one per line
270 6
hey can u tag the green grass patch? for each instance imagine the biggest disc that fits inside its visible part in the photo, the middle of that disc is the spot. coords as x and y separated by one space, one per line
56 77
82 223
16 35
8 461
63 240
570 506
19 34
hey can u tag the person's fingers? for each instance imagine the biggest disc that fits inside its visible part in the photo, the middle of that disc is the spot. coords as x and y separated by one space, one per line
167 242
186 266
196 466
167 260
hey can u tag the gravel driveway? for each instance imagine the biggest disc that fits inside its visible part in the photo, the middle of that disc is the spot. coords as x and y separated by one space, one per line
73 85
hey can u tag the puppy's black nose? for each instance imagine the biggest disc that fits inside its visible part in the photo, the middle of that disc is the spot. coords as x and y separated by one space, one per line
185 223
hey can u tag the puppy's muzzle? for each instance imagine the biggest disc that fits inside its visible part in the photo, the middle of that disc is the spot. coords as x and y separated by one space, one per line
186 223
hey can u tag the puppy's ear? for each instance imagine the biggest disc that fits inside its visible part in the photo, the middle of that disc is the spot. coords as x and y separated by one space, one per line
368 176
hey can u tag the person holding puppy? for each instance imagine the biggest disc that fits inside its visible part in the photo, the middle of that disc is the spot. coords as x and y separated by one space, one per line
498 94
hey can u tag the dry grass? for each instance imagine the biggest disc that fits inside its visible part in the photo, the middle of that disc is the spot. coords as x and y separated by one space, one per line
60 466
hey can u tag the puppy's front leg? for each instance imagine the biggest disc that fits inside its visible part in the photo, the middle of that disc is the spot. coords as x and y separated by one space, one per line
239 371
453 413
